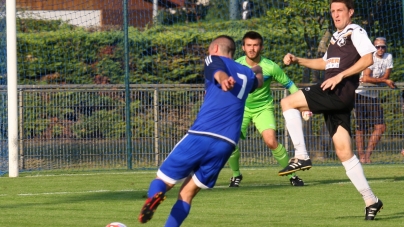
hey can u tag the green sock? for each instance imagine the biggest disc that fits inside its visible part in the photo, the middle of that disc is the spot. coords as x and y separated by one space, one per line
282 157
234 162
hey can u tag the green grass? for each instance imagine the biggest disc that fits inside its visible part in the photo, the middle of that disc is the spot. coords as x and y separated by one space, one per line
264 199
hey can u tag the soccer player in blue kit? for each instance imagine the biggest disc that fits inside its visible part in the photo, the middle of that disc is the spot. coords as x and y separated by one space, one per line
200 155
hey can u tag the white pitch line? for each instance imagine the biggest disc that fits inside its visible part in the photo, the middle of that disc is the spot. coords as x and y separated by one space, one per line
89 174
82 192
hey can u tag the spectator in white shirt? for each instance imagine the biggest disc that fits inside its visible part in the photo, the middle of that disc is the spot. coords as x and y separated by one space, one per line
368 111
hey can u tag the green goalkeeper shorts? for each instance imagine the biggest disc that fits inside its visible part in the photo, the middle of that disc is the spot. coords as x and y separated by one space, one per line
263 119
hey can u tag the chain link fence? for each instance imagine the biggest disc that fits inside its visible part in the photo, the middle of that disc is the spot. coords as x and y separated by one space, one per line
83 127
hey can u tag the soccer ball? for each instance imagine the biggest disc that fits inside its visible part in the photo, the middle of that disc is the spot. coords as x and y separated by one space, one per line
116 224
306 115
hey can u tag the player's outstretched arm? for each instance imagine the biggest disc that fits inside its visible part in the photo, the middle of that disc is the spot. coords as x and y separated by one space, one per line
317 63
289 59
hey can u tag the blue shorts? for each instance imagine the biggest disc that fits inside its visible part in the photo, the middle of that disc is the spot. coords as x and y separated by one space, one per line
200 155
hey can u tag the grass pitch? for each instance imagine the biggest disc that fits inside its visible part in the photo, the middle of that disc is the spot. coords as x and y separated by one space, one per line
263 199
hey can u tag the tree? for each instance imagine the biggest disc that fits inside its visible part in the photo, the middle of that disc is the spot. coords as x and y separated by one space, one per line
308 19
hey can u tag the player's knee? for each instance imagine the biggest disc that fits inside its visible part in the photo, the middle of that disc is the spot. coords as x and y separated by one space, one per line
187 195
236 153
272 144
344 154
284 104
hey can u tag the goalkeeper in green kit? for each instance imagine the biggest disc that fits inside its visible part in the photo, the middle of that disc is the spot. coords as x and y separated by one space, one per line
259 107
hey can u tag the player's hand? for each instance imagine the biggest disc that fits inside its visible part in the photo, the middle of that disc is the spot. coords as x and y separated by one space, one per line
228 84
289 59
306 115
402 152
332 82
257 69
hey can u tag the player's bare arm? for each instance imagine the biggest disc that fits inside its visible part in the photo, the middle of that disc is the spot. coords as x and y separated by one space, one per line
316 64
226 82
364 62
259 74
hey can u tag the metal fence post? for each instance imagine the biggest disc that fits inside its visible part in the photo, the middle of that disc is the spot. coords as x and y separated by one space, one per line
156 126
234 9
21 127
286 143
127 90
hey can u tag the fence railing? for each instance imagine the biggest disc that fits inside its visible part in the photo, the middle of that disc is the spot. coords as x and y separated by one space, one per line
83 127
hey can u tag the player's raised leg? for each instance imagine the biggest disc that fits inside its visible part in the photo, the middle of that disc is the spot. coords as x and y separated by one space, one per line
292 105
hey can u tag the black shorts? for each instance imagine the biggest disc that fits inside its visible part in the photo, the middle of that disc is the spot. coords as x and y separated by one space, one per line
336 113
368 112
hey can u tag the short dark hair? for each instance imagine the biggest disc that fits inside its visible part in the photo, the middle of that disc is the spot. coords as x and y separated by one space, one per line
349 3
253 35
231 48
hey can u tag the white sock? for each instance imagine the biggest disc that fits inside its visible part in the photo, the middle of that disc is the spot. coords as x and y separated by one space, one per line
295 128
355 173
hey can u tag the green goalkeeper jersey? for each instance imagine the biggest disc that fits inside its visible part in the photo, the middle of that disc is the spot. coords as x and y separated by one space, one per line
271 71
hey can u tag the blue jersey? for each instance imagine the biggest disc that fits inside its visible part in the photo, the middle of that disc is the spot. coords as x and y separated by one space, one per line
221 113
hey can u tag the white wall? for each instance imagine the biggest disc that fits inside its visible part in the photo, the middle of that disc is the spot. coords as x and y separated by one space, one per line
84 18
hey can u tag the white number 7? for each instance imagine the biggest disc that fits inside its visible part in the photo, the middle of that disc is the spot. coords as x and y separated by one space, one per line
243 87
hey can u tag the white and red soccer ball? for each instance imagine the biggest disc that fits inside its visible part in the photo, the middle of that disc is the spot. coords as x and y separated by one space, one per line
306 115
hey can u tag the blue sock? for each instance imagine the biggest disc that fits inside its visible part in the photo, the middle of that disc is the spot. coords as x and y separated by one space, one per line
156 186
178 214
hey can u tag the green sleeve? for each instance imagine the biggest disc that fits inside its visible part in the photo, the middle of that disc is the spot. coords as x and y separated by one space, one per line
282 78
293 88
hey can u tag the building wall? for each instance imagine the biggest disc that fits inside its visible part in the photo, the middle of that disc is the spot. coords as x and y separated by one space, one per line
82 4
87 12
84 18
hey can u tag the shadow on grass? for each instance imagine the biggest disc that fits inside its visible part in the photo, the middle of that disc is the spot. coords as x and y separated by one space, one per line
399 215
248 185
380 217
118 196
346 180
